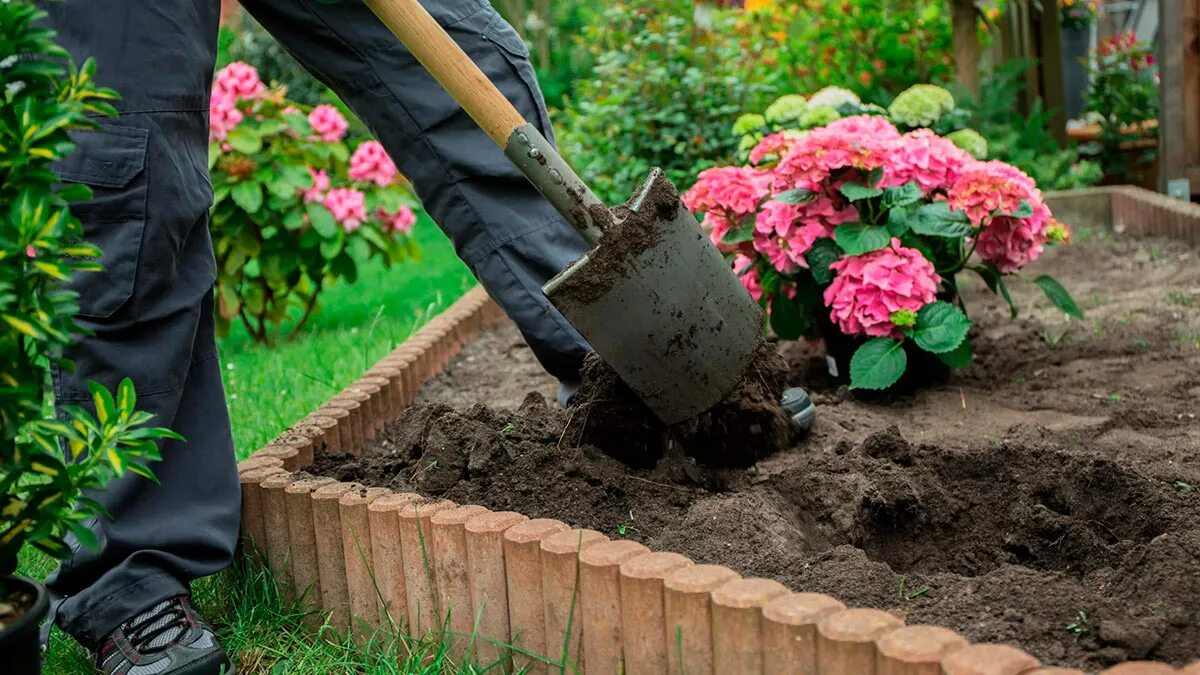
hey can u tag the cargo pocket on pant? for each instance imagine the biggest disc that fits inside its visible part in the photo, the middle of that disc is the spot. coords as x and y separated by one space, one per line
112 162
513 48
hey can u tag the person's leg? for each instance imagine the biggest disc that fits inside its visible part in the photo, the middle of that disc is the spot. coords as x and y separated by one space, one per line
510 237
150 311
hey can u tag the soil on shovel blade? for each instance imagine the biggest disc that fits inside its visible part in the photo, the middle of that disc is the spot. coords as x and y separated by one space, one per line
1046 496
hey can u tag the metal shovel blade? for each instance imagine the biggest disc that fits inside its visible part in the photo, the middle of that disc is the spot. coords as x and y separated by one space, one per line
667 313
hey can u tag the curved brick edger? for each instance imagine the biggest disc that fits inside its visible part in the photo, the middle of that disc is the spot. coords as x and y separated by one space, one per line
371 557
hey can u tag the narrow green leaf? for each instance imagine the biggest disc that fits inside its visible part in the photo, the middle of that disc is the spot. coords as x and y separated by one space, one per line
857 192
1058 295
878 364
102 398
84 536
143 471
941 327
859 238
126 398
53 547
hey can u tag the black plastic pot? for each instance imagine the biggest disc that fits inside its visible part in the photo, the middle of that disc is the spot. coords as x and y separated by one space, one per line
20 643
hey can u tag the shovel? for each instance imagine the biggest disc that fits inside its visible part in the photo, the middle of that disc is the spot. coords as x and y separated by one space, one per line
653 296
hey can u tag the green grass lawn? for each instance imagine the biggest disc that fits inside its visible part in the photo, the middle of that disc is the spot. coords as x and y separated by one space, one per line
268 389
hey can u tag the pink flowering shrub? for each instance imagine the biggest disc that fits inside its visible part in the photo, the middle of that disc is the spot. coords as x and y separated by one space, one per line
855 233
295 209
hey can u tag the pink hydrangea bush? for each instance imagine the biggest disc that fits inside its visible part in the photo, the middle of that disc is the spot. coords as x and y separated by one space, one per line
296 205
859 231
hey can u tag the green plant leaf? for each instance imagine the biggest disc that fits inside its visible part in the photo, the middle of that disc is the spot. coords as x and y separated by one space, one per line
937 220
126 398
995 283
84 536
859 238
878 364
822 254
787 318
332 246
299 123
875 176
901 195
959 357
248 196
856 192
322 220
54 547
1059 295
897 221
245 140
941 327
740 233
796 196
102 398
1024 210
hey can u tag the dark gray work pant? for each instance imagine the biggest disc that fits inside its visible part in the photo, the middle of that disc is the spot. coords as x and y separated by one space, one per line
151 310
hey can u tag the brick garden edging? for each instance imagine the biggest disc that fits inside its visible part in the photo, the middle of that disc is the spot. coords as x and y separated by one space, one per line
369 556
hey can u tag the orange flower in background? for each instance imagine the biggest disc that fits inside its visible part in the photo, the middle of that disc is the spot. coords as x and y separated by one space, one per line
865 77
753 5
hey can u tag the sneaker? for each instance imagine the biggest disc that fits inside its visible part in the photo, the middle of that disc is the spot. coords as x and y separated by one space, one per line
167 639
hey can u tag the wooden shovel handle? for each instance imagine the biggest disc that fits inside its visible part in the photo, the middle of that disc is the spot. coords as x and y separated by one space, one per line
450 66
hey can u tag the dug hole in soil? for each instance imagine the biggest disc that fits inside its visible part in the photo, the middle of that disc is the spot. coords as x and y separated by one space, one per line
1047 496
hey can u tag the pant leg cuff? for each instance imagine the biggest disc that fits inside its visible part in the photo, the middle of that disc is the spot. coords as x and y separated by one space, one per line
90 621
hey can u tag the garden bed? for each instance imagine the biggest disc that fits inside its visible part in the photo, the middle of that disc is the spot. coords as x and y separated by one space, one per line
1048 496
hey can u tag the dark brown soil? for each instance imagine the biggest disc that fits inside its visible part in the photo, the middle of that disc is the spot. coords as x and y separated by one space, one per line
1047 496
627 233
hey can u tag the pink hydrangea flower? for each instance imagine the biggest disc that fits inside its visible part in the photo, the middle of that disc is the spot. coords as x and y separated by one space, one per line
932 161
30 252
1007 242
240 79
786 251
869 288
400 222
223 115
370 163
983 187
861 142
717 226
348 207
775 145
743 267
866 126
731 191
328 123
320 185
1012 243
821 215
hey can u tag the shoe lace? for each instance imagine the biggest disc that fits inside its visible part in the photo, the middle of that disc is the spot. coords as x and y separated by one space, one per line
146 628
